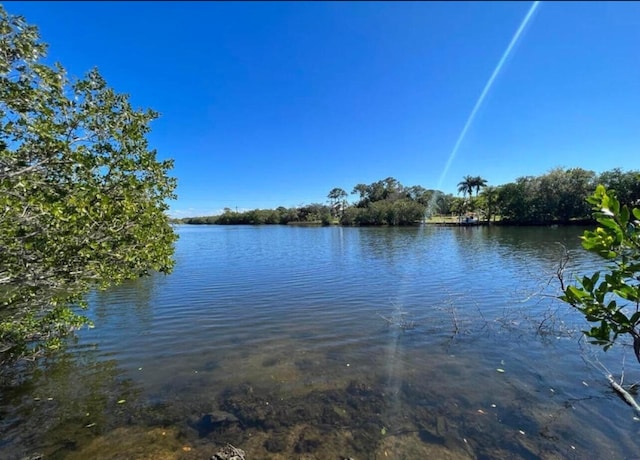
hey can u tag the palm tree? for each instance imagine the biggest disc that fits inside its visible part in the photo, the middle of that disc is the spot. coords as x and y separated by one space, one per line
478 183
466 186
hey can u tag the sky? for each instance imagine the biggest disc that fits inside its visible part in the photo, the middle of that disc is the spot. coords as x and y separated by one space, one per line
267 104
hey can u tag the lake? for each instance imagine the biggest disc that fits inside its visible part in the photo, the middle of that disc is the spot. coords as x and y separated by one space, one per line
332 343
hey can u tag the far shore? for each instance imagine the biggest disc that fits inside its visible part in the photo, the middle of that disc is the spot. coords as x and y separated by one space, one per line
448 222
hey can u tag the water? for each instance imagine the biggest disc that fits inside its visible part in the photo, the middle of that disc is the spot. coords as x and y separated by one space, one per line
286 342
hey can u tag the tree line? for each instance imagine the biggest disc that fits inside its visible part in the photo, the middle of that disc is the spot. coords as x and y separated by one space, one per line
312 213
558 196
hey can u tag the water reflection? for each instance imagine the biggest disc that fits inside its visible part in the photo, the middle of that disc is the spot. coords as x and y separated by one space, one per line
62 403
132 305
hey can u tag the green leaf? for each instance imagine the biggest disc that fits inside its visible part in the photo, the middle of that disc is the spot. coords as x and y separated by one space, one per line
627 292
577 293
624 216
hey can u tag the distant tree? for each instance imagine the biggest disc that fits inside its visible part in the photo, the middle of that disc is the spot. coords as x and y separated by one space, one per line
385 212
626 185
443 202
458 205
393 189
377 191
478 183
337 198
387 189
350 216
490 196
513 200
557 196
466 186
577 185
362 191
418 193
314 212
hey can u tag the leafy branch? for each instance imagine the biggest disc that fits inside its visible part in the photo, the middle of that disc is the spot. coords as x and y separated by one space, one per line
610 298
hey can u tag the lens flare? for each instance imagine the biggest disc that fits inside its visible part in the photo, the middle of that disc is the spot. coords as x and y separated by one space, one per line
484 93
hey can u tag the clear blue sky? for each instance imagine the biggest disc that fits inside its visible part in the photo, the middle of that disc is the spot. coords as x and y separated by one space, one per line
268 104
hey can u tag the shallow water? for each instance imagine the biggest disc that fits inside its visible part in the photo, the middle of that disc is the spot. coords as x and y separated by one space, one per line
286 342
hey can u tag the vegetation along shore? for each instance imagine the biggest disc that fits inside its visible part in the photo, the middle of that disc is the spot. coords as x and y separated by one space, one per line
557 197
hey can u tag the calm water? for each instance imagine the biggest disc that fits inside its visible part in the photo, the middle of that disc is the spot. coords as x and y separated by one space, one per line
287 342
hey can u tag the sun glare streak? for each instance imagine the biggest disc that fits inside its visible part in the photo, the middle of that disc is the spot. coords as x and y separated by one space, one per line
485 91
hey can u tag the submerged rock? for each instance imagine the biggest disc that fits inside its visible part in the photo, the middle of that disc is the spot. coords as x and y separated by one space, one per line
229 452
37 456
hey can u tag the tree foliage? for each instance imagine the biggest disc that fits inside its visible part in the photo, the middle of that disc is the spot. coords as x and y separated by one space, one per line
557 196
611 298
82 197
385 212
386 189
625 183
387 202
338 200
489 198
312 213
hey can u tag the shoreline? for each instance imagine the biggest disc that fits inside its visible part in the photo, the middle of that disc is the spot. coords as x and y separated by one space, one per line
576 223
